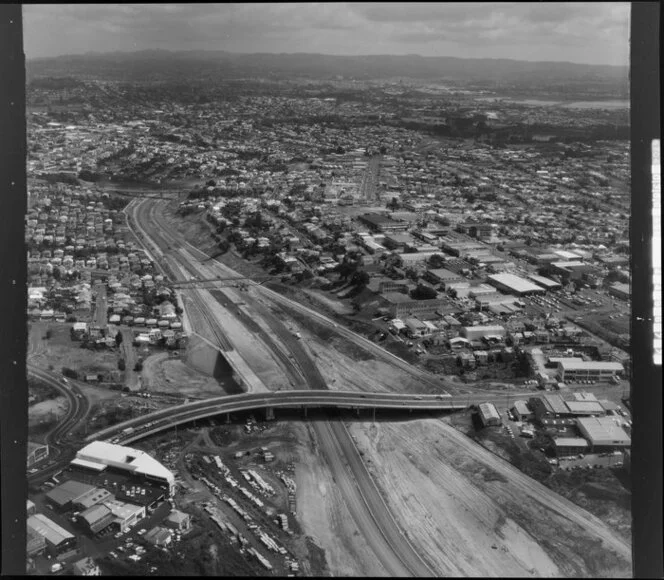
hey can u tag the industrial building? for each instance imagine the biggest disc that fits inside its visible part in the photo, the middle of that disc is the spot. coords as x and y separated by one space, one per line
159 536
573 370
486 332
568 446
58 540
546 283
64 496
489 414
402 306
521 411
442 276
179 521
100 455
603 433
92 498
513 284
620 290
125 515
381 223
35 543
96 518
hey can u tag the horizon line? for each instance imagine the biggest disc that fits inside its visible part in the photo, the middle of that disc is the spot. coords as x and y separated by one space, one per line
212 50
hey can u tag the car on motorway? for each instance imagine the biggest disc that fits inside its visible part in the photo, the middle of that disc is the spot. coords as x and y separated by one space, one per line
417 397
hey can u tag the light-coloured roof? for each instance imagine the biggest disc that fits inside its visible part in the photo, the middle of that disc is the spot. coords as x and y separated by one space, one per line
542 281
603 431
121 509
489 410
88 464
95 513
515 283
47 528
570 442
585 407
125 458
570 365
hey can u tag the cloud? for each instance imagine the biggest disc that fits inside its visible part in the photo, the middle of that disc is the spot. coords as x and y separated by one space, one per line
597 31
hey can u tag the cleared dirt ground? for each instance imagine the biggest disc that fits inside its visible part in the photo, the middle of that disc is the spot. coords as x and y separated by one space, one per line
171 375
475 515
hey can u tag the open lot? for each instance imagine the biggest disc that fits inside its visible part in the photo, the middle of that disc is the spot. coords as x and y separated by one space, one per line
476 515
60 351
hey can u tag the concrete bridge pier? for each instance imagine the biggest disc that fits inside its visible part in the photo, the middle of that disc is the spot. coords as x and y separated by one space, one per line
269 414
373 415
305 411
228 418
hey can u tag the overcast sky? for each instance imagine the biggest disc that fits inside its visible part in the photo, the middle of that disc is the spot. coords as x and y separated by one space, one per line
595 33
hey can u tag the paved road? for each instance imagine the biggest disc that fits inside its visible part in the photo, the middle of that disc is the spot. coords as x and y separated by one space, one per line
368 509
100 317
77 409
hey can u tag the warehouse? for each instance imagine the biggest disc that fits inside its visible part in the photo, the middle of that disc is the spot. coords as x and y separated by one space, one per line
402 306
489 414
92 498
569 371
126 459
35 542
96 518
620 290
179 521
545 282
603 433
514 284
125 515
442 276
159 536
480 332
521 411
568 446
585 408
58 540
64 496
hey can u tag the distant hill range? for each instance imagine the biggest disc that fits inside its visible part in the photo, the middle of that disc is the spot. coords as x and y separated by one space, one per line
165 65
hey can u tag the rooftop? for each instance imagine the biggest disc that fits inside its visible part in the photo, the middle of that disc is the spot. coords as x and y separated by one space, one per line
603 431
515 283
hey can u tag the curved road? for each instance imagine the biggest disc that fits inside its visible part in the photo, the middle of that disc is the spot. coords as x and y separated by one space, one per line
360 492
77 409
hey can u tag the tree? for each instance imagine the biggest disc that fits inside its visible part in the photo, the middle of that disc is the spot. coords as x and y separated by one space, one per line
360 278
118 339
423 293
121 364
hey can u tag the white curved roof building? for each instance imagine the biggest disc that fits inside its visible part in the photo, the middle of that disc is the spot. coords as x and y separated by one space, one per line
127 459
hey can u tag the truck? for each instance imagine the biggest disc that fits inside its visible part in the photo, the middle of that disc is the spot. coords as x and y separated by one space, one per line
128 431
56 568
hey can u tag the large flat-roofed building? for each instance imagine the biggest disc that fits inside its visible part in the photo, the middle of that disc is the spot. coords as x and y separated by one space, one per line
545 282
620 290
442 276
381 223
94 497
489 414
603 433
126 459
514 284
65 495
479 332
403 306
36 452
585 408
588 370
566 446
58 540
521 411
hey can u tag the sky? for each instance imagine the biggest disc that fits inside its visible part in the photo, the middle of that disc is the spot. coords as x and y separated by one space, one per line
583 32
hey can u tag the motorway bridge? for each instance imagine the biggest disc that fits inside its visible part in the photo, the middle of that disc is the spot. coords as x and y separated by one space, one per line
152 423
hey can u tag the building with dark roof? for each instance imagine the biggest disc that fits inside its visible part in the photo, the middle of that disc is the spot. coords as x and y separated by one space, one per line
381 223
66 494
58 540
96 518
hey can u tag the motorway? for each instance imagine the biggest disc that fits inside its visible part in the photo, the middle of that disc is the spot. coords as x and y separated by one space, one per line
366 505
